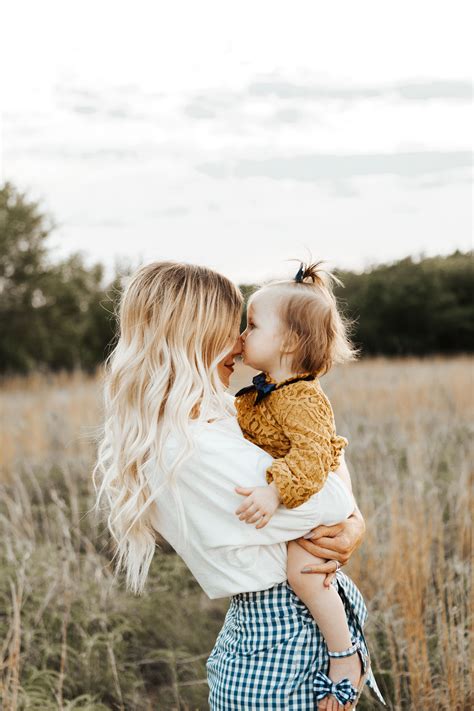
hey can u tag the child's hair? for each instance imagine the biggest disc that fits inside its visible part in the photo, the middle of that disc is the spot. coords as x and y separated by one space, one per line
176 322
314 326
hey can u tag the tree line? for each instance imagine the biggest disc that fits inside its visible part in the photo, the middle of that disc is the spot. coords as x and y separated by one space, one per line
62 314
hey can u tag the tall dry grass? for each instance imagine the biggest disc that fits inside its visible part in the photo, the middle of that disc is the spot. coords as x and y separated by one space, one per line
70 637
410 428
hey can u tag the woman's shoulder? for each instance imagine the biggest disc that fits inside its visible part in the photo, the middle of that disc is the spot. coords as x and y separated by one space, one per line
215 436
219 453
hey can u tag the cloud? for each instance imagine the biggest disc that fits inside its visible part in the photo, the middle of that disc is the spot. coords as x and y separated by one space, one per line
208 105
441 181
288 116
85 109
289 90
344 189
176 211
200 109
409 91
425 91
287 102
119 102
323 166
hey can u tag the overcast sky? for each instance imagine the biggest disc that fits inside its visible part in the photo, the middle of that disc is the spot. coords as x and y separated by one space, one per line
242 134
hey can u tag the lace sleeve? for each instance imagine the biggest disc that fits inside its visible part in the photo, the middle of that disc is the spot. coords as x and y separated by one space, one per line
308 423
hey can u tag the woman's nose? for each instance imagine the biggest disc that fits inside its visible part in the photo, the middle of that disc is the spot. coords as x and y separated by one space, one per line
237 350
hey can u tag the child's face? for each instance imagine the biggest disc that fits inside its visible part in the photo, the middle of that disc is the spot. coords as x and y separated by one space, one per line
263 338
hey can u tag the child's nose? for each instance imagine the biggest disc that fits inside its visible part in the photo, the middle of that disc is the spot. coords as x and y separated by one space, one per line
237 350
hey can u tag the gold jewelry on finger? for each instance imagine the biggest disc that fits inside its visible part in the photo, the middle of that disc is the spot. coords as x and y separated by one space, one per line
338 566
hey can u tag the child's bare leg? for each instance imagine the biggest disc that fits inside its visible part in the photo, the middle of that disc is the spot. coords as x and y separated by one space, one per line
328 611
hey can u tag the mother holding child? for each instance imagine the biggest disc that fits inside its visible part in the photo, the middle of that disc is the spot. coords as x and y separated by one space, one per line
253 494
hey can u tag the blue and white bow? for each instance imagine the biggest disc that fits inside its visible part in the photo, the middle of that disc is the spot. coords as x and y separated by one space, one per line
343 690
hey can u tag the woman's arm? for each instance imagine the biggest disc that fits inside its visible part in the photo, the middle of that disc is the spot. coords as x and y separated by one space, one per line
335 542
343 472
222 461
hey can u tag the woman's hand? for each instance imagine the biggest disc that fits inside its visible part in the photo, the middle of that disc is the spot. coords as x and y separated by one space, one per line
333 543
260 504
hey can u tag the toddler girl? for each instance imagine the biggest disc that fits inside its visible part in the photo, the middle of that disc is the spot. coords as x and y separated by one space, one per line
294 334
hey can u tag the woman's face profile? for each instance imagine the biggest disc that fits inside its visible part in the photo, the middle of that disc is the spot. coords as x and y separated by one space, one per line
226 366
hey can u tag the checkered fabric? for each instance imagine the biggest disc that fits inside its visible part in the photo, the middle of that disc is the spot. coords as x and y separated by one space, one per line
269 650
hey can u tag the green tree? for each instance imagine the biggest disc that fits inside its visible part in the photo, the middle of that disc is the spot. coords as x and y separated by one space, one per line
61 315
247 291
413 308
51 315
23 233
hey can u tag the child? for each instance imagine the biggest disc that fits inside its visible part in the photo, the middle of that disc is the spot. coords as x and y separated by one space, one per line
294 334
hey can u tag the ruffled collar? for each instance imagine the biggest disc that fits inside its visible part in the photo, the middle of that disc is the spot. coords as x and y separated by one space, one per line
288 381
263 385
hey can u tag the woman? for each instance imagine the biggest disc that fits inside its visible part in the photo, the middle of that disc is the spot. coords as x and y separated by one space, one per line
170 460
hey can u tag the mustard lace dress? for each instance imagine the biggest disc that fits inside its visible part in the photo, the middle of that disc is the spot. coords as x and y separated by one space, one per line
293 421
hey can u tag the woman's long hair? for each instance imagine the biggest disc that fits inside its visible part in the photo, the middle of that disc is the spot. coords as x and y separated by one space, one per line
176 325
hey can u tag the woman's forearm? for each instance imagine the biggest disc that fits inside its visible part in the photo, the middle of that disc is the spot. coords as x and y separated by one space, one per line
343 472
337 542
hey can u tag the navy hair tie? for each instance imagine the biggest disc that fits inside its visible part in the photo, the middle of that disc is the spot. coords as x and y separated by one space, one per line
300 273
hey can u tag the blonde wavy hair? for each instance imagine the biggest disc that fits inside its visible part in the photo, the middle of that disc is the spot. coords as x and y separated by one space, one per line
176 323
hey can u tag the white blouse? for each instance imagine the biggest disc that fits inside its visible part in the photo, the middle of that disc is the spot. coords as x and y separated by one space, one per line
228 556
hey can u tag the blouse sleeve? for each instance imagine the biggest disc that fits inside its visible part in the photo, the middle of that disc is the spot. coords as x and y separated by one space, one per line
207 485
308 423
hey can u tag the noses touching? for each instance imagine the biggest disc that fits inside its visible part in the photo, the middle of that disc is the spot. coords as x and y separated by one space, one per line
238 346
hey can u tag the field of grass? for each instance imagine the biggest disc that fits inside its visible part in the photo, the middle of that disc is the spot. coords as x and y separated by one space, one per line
71 638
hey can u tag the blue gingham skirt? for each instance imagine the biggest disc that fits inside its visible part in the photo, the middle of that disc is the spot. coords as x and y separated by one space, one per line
269 650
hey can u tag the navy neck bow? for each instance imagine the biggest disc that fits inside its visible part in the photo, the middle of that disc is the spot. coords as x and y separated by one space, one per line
263 389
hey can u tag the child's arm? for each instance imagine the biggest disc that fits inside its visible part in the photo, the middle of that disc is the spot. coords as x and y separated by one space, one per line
308 423
260 504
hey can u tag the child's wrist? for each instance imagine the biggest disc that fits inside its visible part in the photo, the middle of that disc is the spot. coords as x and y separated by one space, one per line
273 486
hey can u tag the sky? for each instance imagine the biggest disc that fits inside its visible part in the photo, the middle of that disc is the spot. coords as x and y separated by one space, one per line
242 135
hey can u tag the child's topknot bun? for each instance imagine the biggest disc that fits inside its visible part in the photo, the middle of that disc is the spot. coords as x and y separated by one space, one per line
312 274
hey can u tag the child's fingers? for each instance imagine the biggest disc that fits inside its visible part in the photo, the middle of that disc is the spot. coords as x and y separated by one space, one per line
263 522
254 517
244 517
245 505
328 579
242 491
247 514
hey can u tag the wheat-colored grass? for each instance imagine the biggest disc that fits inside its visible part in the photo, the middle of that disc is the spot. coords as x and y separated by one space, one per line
70 637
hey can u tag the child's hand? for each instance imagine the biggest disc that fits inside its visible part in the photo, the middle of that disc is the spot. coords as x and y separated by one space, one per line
260 504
